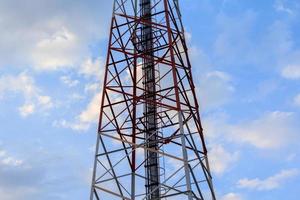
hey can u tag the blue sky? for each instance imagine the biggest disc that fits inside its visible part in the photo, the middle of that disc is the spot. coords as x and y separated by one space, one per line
245 55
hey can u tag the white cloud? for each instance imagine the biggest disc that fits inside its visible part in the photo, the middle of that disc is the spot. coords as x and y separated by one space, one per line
291 157
2 153
85 118
235 45
25 85
91 113
222 75
26 109
92 67
68 81
17 193
297 100
20 83
231 196
59 50
291 72
220 159
215 125
92 87
272 130
279 42
11 161
45 101
12 174
199 57
280 7
215 89
7 160
50 35
269 183
76 126
24 176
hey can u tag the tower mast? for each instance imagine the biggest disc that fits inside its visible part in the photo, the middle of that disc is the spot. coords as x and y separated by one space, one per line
150 142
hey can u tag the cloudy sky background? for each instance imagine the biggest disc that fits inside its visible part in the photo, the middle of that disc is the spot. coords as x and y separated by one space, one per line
245 55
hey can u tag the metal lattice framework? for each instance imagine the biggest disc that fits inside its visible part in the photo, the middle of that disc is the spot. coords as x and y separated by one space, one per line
150 142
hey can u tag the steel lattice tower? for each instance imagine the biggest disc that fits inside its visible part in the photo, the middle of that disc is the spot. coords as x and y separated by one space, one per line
150 142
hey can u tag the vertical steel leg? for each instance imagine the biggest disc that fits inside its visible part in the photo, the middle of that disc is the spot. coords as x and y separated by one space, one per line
185 157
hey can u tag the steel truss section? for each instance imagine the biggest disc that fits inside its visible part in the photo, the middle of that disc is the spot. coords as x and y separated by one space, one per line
150 142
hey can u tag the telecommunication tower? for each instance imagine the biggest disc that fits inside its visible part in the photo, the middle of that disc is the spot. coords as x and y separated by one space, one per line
150 142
